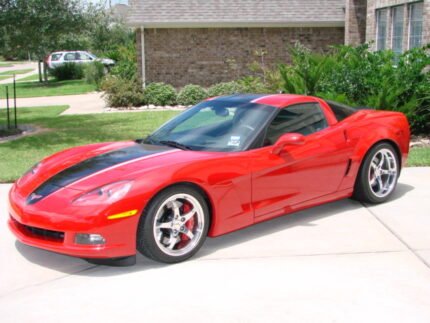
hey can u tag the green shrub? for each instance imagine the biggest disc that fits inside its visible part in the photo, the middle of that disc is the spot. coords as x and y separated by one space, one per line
160 94
121 92
224 88
306 73
361 77
264 79
68 71
252 84
125 61
191 94
94 73
357 71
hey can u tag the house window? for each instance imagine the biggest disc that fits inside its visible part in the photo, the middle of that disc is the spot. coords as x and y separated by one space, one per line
397 29
415 24
381 28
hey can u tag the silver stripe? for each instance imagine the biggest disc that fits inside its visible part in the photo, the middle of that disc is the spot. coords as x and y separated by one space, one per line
262 98
125 163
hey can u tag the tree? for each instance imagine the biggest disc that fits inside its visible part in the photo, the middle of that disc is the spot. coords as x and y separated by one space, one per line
37 26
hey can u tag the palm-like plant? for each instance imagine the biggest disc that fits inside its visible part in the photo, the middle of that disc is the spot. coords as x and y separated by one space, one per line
305 74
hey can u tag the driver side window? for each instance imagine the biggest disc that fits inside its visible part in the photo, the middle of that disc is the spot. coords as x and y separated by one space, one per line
305 118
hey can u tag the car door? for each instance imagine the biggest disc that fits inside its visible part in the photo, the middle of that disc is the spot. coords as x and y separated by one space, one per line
299 173
70 57
84 57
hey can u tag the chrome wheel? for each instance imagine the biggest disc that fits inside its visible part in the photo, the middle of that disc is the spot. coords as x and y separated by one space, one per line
178 224
383 172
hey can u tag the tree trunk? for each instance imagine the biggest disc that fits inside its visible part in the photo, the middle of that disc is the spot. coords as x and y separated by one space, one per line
39 65
45 71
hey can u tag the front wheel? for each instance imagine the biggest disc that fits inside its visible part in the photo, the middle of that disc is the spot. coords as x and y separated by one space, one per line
174 225
378 174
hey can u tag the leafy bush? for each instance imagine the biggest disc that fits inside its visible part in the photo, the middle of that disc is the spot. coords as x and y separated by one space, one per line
125 58
264 79
225 88
361 77
357 71
68 71
94 73
160 94
192 94
307 71
121 92
252 84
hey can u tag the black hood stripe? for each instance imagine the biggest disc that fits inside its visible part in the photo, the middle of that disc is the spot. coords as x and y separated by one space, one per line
91 166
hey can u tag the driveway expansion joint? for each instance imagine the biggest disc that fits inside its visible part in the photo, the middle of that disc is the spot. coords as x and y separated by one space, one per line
394 233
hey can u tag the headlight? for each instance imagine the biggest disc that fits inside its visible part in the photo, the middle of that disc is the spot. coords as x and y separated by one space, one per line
105 195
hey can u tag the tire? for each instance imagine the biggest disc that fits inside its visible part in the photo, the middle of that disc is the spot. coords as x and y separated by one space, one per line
378 174
174 225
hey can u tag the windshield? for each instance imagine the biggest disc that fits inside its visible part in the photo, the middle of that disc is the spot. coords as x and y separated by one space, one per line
214 126
91 55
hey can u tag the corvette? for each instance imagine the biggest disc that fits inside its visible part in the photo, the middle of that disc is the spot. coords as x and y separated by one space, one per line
222 165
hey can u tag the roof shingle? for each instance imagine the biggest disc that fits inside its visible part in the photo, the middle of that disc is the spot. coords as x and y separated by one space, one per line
211 13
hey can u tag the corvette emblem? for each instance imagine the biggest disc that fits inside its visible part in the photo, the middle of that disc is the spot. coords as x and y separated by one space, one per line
34 196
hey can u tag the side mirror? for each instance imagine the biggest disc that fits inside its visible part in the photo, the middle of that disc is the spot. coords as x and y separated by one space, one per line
288 139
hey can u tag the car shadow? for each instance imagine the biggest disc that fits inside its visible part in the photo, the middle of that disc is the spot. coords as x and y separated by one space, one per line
308 217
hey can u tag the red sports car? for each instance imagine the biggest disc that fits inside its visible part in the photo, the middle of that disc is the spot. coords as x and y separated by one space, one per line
220 166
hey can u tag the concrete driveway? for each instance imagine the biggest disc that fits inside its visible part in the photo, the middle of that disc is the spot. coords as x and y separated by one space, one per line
341 262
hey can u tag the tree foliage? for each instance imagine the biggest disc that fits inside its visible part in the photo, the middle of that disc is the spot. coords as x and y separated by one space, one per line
42 26
37 26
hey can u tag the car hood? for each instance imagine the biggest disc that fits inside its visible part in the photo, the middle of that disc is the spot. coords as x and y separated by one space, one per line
91 166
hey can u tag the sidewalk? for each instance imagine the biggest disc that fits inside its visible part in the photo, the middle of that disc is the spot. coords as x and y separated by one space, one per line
79 104
15 67
340 262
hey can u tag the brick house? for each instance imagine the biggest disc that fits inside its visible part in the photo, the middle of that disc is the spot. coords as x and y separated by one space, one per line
183 41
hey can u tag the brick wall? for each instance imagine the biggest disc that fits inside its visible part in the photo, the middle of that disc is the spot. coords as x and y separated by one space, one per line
373 5
371 23
355 22
199 55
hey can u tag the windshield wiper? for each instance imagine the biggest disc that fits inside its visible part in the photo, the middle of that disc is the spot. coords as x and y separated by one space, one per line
175 144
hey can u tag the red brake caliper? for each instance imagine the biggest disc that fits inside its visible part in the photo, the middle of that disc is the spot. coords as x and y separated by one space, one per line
186 207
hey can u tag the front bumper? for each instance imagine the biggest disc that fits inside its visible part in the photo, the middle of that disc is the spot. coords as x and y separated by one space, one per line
40 227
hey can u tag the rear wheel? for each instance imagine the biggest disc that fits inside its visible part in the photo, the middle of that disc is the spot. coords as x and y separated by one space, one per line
378 174
174 225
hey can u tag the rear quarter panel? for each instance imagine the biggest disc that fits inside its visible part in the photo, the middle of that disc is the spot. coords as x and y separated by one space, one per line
366 128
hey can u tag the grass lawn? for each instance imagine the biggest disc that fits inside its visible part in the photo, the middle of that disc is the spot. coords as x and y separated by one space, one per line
5 64
52 88
33 77
419 157
68 131
16 72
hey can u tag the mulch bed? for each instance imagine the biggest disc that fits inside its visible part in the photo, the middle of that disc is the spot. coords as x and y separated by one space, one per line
22 131
419 141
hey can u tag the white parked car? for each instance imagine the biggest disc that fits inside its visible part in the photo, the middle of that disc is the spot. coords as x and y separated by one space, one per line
79 57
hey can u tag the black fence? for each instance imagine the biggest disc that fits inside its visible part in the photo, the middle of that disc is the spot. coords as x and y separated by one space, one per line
11 112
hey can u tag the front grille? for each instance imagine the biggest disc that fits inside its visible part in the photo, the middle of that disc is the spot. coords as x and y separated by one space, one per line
39 233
